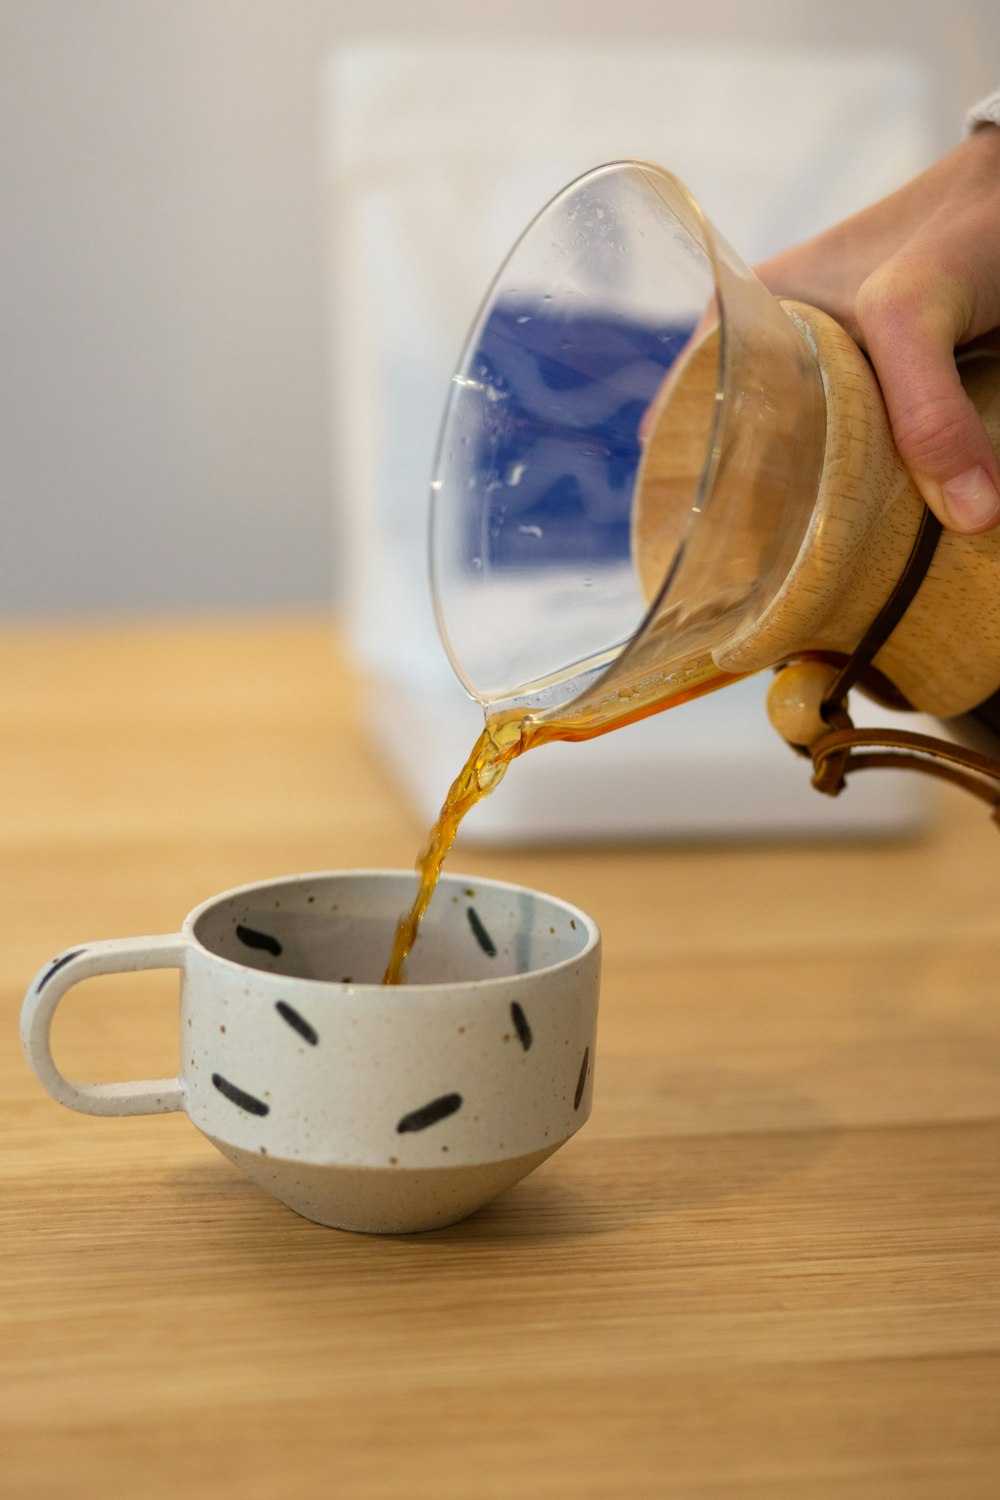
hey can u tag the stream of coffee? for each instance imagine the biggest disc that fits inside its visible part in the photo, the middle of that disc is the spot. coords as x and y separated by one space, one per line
502 740
507 735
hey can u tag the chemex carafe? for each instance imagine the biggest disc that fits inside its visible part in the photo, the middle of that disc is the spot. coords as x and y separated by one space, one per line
654 477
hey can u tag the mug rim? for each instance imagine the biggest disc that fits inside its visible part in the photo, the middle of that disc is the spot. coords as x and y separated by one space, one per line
416 990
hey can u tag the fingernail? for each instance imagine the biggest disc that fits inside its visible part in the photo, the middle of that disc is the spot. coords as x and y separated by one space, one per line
972 500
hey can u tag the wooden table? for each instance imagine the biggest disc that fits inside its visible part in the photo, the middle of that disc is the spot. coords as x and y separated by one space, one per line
767 1268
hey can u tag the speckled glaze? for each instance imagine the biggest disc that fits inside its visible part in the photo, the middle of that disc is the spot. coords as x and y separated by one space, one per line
365 1107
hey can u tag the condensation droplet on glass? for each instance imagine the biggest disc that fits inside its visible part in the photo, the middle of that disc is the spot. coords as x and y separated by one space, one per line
515 474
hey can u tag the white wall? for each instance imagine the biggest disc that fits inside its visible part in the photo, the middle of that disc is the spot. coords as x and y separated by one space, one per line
163 338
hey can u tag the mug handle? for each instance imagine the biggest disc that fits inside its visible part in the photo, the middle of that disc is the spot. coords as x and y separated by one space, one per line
151 1096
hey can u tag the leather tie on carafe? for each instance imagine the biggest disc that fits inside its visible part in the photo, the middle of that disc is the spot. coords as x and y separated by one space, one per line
845 748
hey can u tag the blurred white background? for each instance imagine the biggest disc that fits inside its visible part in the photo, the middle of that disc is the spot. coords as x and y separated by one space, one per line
165 369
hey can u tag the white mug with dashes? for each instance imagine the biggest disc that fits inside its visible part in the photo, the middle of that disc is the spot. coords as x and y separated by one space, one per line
383 1109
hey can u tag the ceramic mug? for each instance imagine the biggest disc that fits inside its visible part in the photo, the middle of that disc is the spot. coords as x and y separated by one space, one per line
363 1106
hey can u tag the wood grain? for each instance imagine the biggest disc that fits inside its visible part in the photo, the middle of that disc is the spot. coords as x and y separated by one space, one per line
944 655
766 1270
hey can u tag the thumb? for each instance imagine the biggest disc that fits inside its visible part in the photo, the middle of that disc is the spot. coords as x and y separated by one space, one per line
939 434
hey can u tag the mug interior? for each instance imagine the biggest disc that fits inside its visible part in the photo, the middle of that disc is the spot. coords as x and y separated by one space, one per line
339 928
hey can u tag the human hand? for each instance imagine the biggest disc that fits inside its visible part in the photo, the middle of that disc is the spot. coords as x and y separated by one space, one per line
910 278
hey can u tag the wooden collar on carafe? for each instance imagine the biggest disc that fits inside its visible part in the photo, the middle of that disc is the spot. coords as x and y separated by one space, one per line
840 748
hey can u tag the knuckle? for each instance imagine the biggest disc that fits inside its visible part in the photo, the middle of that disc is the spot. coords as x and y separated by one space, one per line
908 299
884 300
932 435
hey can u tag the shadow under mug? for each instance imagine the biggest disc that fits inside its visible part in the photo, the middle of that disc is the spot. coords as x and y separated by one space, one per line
383 1109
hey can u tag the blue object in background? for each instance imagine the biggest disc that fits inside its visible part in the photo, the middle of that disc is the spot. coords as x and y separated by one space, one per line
559 404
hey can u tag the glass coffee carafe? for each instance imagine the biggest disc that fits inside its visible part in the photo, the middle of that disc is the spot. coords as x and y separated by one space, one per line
653 477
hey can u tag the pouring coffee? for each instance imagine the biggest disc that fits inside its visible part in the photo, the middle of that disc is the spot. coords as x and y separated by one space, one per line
654 478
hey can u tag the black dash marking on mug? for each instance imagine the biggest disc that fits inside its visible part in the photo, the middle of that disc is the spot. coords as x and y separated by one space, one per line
429 1114
54 968
296 1022
482 937
521 1025
581 1082
239 1096
255 939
